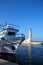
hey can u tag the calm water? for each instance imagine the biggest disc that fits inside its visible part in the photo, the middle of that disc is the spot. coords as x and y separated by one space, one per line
23 55
25 51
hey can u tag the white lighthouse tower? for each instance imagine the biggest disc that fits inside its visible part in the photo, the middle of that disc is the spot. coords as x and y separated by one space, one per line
30 35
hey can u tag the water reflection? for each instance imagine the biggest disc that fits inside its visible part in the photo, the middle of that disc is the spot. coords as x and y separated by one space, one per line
23 55
37 54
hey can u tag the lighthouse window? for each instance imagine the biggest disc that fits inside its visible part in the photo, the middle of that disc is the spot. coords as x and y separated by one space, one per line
11 33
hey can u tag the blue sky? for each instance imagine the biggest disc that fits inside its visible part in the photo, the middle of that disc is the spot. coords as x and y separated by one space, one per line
26 13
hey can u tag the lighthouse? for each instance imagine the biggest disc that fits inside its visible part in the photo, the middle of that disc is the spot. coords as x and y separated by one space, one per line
30 35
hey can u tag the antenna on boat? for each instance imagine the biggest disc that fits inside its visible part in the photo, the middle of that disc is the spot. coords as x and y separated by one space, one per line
5 23
1 25
15 25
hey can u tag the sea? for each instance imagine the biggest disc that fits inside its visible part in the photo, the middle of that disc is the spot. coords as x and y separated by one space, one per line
30 54
27 54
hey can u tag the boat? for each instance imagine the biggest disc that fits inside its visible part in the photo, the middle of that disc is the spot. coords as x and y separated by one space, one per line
10 39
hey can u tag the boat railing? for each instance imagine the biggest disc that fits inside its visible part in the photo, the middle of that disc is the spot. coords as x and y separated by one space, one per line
20 35
4 27
15 36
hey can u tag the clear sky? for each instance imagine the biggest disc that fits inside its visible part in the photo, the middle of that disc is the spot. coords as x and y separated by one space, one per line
26 13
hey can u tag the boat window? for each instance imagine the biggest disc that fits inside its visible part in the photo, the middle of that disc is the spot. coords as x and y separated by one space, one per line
13 47
11 33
